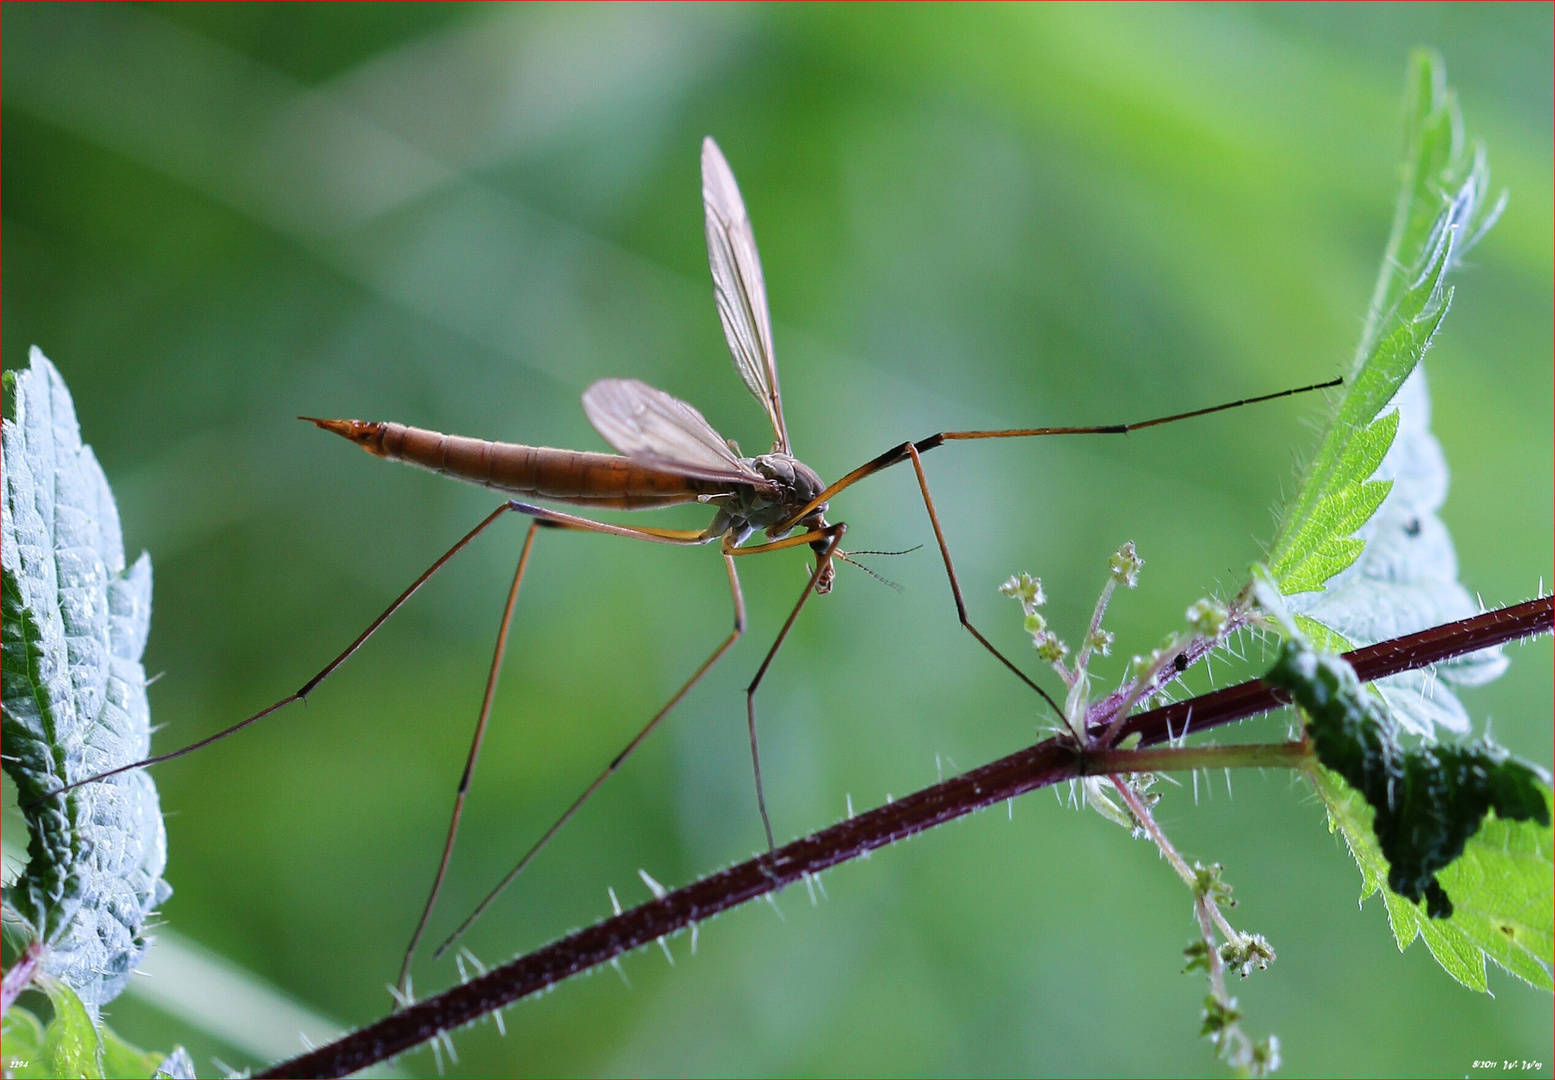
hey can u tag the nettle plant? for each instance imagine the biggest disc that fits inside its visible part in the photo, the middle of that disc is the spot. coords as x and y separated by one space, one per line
1357 596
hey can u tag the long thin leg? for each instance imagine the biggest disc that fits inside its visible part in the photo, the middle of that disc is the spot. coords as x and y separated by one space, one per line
558 519
307 687
955 585
899 453
1124 429
911 450
469 761
617 761
833 535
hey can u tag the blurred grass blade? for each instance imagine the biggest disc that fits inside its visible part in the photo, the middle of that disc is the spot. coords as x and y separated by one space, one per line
227 1001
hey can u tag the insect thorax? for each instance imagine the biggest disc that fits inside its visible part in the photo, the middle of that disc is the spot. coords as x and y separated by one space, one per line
750 509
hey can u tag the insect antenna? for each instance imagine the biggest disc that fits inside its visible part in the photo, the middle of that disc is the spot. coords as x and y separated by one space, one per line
847 557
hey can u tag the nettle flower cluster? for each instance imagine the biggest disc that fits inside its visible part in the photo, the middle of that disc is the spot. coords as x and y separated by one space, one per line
1094 724
1125 797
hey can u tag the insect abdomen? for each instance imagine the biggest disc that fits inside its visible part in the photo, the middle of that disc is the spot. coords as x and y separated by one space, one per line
571 476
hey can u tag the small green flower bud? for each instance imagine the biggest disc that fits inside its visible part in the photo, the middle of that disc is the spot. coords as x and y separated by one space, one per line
1207 882
1026 589
1266 1056
1100 641
1125 565
1035 624
1218 1017
1208 617
1050 647
1248 952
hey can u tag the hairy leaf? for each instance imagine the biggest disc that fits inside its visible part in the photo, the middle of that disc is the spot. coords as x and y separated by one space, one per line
75 621
1440 213
1406 579
72 1045
1360 551
1428 801
1503 888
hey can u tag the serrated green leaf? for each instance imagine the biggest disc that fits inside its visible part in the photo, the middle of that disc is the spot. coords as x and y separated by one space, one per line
1503 889
1360 550
72 630
1367 450
1406 579
1323 638
1439 214
1331 557
1508 900
1348 503
1429 800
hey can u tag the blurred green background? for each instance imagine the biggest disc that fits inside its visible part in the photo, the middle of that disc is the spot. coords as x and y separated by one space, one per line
217 217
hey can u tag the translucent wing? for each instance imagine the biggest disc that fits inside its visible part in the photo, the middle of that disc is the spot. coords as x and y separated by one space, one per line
659 430
738 288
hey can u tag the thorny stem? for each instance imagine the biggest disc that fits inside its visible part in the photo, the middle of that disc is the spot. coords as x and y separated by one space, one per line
1050 762
1296 754
1113 710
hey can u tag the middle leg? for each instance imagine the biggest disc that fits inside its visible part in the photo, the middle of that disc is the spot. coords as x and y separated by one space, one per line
955 585
616 762
832 536
469 761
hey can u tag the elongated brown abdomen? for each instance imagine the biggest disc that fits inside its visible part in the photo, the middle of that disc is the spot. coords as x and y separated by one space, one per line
578 477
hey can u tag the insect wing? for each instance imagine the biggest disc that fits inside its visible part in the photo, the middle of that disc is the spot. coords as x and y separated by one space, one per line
738 288
659 430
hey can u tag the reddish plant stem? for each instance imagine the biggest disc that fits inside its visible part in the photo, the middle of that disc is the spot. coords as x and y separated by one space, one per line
1049 762
20 976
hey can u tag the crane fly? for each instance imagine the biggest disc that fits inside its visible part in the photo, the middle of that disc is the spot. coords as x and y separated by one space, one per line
668 454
